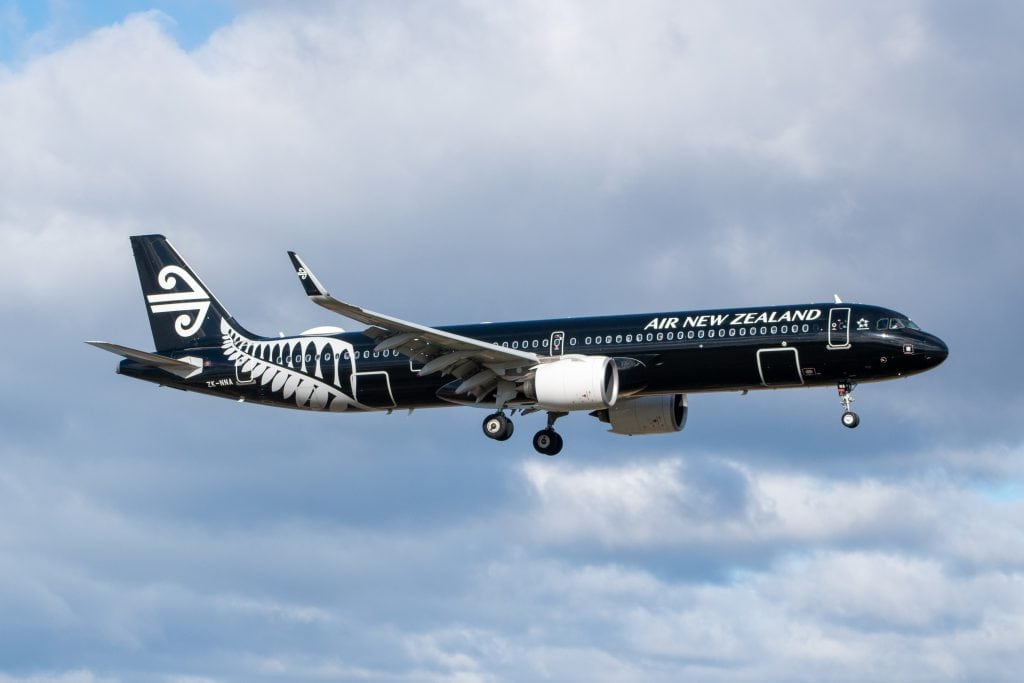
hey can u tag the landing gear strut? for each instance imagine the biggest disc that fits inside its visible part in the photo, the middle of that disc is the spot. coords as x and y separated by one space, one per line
850 418
547 440
498 427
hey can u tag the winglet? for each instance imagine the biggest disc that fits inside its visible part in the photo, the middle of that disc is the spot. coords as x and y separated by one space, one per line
306 277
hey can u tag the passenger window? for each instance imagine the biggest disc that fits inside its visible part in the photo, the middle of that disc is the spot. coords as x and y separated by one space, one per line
587 341
743 331
608 339
700 334
660 336
805 328
544 343
534 343
515 345
775 329
670 336
732 331
689 335
618 339
764 330
629 338
650 337
572 341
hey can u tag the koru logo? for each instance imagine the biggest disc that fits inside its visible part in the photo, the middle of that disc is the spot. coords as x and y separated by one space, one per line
195 301
302 273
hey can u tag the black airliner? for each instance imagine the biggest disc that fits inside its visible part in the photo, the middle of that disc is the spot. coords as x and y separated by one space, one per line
632 372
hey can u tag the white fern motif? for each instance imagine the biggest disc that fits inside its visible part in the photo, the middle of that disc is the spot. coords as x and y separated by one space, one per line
294 367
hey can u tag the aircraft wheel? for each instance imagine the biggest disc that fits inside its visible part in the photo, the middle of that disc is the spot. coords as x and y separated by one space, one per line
510 427
497 427
548 442
850 419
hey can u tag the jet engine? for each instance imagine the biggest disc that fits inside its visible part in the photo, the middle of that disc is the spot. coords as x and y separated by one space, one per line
575 383
646 415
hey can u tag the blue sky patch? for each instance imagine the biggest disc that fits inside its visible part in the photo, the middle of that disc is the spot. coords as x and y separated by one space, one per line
29 28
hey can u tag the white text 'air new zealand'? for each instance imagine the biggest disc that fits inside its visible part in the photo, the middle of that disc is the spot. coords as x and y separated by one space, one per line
630 371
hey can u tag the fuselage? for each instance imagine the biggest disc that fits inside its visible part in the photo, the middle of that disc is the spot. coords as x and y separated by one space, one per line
656 353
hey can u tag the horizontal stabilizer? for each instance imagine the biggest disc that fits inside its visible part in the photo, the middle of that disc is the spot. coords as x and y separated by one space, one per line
182 367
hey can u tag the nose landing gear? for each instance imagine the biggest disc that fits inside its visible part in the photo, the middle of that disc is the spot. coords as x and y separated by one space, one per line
850 419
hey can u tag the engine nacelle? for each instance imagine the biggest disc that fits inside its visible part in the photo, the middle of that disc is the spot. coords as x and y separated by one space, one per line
646 415
575 383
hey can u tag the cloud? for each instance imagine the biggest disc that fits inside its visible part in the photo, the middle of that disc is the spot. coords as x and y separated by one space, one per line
478 161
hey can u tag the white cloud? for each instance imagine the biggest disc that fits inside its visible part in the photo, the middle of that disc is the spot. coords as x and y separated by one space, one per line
660 504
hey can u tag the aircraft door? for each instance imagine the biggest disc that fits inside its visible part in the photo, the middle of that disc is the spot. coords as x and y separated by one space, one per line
839 328
242 377
557 344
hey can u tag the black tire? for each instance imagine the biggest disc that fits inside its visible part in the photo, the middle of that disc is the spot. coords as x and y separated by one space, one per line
496 426
510 427
850 419
547 442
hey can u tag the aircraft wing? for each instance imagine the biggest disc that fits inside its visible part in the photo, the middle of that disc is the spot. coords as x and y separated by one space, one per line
480 365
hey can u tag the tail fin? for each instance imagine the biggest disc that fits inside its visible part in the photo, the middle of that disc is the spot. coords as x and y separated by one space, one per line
182 311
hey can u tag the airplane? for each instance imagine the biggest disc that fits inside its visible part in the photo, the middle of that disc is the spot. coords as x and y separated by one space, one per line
633 372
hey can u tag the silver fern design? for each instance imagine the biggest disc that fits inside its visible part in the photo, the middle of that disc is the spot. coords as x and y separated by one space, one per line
315 371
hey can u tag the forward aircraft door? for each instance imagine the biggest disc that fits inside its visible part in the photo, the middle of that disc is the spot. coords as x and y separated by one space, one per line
839 328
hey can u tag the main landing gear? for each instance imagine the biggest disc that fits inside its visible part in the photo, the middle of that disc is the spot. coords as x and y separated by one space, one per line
547 441
498 427
850 418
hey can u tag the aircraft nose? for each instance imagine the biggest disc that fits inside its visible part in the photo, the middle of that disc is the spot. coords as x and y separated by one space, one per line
936 350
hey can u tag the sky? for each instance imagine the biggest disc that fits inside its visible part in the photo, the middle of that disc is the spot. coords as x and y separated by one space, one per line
451 162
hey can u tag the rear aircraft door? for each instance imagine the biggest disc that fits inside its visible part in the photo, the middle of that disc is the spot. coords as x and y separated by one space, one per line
557 343
839 328
779 367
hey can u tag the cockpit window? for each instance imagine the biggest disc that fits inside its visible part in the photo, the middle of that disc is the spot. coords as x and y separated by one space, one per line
896 324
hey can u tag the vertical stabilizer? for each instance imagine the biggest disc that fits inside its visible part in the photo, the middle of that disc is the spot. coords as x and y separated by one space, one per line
182 311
